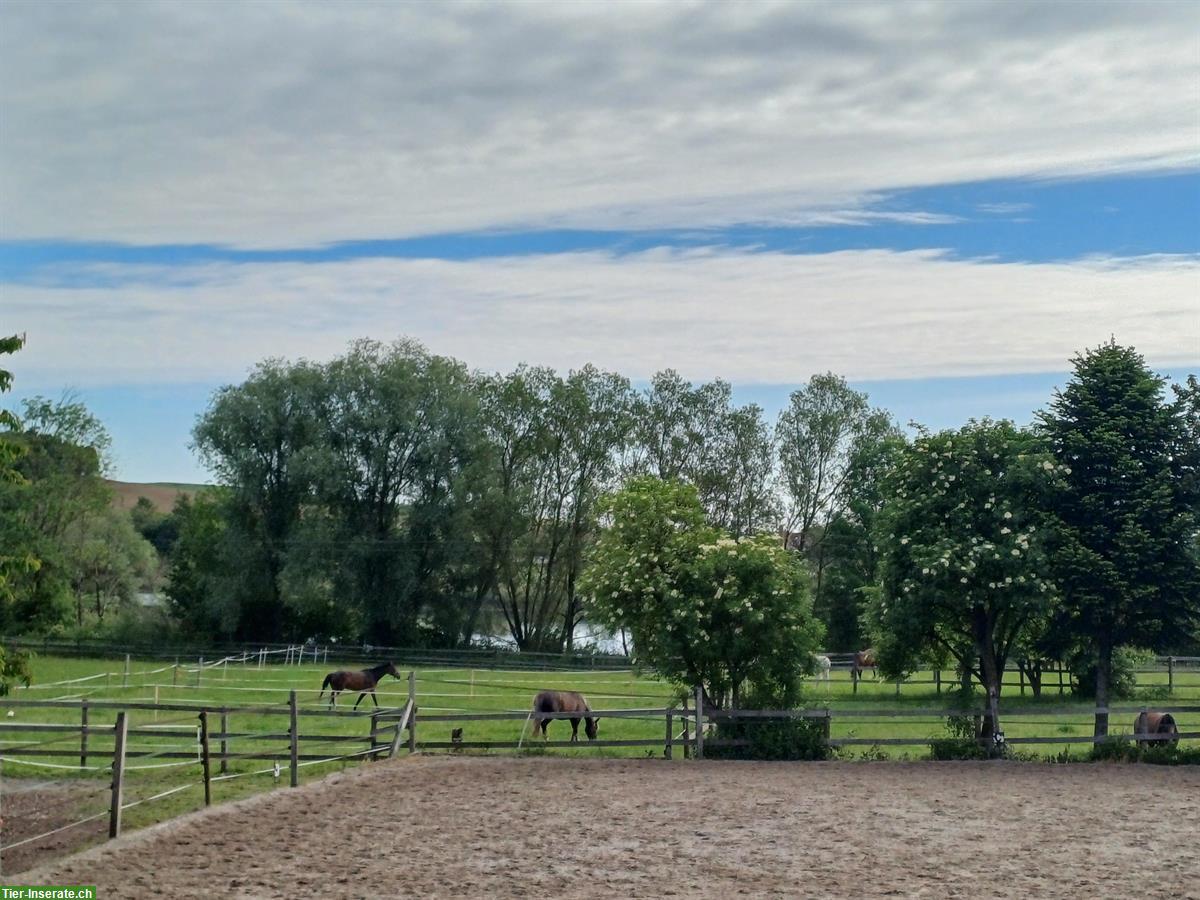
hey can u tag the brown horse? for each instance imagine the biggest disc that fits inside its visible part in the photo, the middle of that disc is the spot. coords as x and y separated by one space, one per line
865 659
571 705
1149 723
363 681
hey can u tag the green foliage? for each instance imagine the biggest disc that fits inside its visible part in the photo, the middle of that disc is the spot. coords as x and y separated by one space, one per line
1125 512
1121 749
695 434
702 607
14 669
962 540
71 422
772 739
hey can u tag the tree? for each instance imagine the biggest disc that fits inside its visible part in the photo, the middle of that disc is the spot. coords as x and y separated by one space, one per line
107 561
252 437
71 422
964 568
695 434
703 608
1125 512
847 549
818 435
10 451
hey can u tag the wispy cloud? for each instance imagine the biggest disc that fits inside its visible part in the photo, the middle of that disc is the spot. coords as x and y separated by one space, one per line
749 317
298 124
1003 209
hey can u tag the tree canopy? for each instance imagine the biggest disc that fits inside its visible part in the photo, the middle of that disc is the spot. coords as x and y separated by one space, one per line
704 608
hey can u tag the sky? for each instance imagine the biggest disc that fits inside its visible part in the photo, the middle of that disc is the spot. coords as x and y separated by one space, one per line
943 202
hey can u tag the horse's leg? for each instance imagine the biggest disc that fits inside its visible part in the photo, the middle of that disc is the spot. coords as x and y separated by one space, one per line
332 699
359 700
373 697
574 731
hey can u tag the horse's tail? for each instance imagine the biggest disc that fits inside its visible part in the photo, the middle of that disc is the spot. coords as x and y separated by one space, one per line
325 684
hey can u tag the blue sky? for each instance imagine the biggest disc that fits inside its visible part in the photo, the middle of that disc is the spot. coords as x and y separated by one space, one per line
749 192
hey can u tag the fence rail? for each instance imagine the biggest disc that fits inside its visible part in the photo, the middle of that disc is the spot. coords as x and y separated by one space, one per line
200 735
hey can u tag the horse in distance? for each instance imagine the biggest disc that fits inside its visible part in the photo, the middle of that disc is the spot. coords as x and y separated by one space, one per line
571 705
363 681
1150 723
864 659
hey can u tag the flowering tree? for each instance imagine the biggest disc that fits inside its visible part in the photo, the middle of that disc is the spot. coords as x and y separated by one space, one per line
964 570
702 607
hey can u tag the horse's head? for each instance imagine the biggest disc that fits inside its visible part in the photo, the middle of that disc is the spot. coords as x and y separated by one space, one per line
391 670
591 727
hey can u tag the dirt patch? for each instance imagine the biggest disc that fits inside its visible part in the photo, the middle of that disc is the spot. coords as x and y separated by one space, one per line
30 807
487 827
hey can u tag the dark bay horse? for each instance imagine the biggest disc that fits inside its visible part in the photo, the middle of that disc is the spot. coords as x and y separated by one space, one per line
571 705
1148 723
363 681
864 659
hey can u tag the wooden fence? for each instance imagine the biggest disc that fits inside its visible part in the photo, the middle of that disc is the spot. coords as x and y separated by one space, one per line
210 743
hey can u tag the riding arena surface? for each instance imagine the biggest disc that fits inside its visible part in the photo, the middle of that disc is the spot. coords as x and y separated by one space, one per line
575 828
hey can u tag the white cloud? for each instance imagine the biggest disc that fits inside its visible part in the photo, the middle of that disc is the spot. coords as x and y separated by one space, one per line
296 123
744 316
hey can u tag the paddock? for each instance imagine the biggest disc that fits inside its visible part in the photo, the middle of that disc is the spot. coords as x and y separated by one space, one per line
574 828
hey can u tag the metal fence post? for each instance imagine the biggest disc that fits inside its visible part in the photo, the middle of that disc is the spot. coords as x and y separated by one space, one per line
118 775
83 734
294 735
412 715
204 763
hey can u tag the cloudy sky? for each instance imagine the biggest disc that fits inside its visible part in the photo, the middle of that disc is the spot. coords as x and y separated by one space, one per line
940 201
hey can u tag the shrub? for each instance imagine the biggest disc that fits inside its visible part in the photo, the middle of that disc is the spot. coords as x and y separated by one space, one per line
1121 749
961 742
772 739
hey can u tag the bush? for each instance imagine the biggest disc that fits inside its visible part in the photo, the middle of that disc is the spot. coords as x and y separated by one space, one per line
1121 749
961 742
772 739
1123 683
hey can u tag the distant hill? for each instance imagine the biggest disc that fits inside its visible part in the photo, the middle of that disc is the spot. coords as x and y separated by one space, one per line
161 493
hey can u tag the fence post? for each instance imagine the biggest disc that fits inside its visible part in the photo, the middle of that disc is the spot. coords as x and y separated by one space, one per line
224 742
827 726
374 732
83 734
294 735
118 775
1060 679
199 671
1021 676
670 729
687 734
854 679
175 673
699 722
1170 674
125 677
325 658
412 715
204 764
937 680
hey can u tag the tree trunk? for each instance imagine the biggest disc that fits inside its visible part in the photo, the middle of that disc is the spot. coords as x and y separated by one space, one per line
1103 675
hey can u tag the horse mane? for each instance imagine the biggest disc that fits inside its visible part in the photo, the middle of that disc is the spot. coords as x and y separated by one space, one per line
378 670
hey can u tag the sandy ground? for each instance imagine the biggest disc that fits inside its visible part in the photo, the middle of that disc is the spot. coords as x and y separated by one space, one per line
31 806
489 827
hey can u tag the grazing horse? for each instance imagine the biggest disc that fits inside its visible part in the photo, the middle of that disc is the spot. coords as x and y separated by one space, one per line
1148 723
363 681
571 705
823 666
865 659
